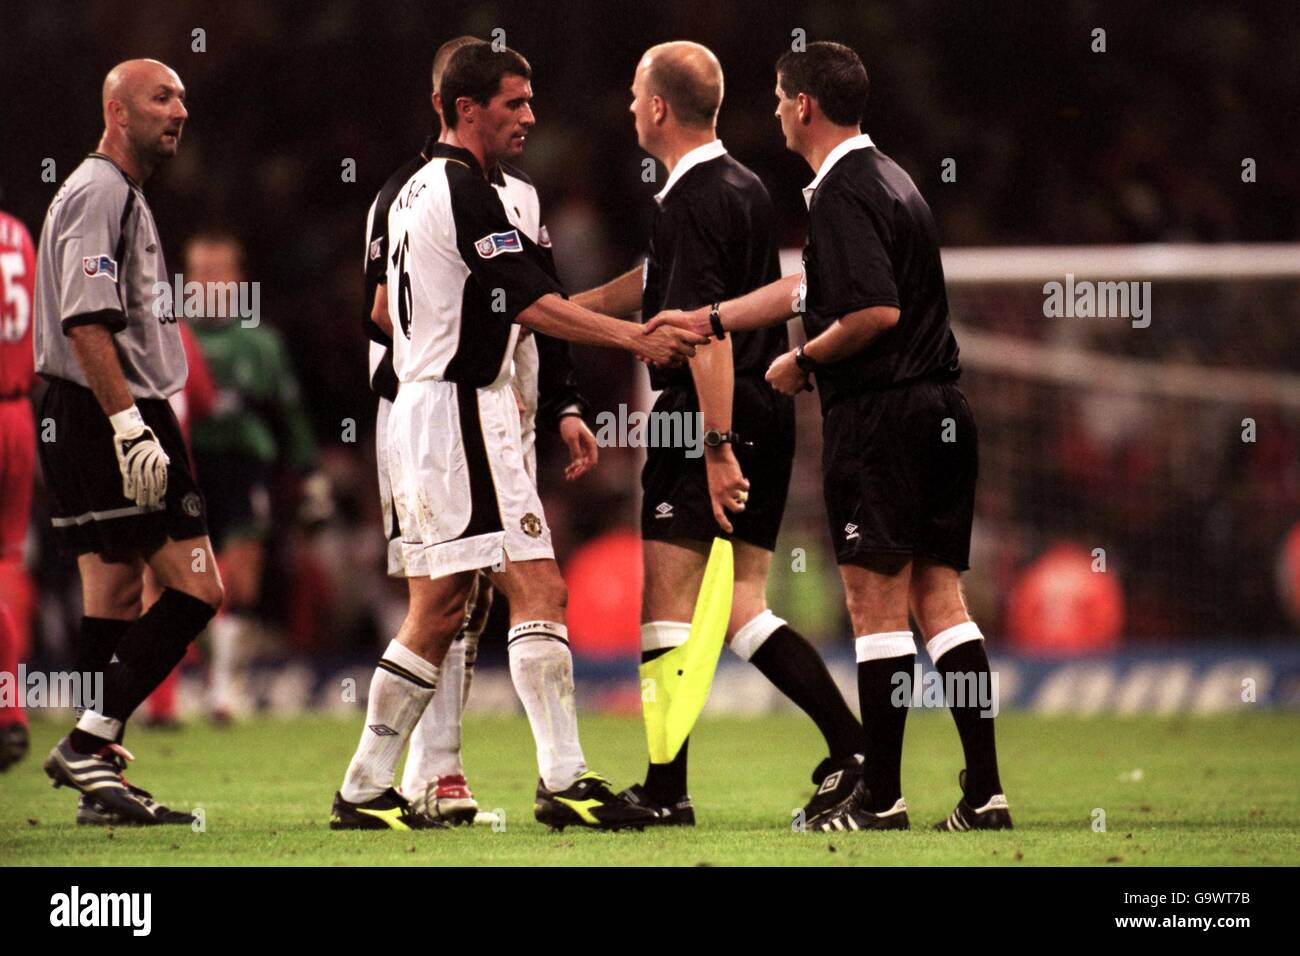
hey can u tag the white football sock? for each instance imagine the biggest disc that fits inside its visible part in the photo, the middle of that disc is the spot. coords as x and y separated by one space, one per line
400 691
542 670
227 632
435 743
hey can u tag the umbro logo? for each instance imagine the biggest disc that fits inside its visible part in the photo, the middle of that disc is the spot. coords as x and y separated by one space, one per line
850 531
663 510
831 782
382 730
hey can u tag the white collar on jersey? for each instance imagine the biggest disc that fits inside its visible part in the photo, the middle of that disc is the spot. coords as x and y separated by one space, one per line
700 154
861 141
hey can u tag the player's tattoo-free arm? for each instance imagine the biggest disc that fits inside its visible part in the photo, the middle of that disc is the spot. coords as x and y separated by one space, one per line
850 334
619 297
553 315
93 345
379 311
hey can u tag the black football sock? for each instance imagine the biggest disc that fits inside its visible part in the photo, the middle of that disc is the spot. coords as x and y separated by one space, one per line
94 646
968 663
92 650
796 669
151 647
665 783
884 717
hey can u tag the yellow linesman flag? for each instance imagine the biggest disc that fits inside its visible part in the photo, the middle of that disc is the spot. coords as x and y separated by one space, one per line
675 685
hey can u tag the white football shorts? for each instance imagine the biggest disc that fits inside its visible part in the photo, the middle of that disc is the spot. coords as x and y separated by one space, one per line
462 493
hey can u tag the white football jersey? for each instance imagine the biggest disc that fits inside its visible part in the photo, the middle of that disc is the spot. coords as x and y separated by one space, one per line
460 269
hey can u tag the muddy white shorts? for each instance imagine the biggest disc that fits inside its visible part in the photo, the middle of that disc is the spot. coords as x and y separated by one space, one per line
462 495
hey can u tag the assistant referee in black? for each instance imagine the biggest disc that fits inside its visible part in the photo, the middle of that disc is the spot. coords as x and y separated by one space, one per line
899 440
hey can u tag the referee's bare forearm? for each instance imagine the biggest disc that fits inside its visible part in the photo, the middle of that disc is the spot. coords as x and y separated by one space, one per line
851 333
618 297
94 348
771 304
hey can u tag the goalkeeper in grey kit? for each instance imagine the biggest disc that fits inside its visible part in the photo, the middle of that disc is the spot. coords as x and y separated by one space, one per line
122 496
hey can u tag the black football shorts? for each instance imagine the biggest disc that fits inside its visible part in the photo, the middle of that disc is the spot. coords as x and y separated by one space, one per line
87 507
675 489
899 468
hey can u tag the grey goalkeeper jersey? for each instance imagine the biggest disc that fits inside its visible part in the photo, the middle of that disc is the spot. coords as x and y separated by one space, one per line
100 261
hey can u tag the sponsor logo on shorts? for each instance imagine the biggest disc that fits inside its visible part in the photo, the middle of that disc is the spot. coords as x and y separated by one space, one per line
382 730
851 532
105 266
531 525
495 243
192 504
663 510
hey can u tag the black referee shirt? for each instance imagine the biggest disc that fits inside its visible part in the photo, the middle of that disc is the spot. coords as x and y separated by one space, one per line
872 242
712 240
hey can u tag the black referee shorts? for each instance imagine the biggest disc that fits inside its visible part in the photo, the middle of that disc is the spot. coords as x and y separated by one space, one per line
899 468
87 507
675 489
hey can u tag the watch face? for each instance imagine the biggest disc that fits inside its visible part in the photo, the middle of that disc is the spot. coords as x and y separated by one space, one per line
713 438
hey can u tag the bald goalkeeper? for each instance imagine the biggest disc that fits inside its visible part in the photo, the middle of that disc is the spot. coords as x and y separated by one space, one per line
713 238
121 493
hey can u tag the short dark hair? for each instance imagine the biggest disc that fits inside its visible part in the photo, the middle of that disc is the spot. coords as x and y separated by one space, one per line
475 70
831 74
444 54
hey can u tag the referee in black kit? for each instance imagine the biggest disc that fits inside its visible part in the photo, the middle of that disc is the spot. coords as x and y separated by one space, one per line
899 455
713 238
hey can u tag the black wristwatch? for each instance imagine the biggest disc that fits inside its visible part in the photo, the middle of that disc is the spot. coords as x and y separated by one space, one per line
807 364
713 438
715 321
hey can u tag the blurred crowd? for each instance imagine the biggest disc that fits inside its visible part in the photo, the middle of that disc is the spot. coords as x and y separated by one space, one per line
300 111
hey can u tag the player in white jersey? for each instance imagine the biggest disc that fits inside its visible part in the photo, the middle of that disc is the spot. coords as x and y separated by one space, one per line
434 778
462 279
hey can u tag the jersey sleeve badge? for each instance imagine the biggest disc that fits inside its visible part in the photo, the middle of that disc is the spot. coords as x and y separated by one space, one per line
100 266
495 243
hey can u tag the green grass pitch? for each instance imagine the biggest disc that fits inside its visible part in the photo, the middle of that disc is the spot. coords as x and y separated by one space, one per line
1180 791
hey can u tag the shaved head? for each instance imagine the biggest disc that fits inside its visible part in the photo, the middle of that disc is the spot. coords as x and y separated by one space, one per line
132 77
144 112
688 77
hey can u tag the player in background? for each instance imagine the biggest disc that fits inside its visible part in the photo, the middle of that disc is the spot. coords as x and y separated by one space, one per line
463 279
17 468
900 498
257 425
121 492
713 239
434 776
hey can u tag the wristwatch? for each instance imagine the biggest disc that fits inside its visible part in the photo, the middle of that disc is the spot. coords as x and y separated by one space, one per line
713 438
715 321
807 364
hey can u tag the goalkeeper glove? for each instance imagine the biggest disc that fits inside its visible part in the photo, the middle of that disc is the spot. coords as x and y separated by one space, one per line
140 458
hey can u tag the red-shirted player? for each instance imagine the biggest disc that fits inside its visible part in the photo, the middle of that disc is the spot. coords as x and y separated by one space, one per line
17 468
